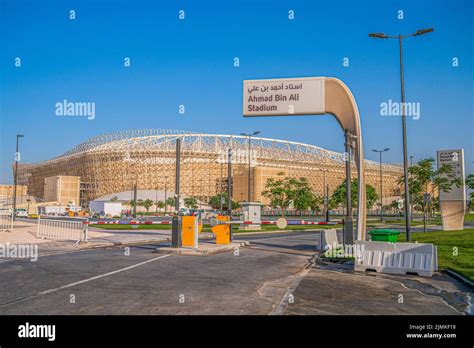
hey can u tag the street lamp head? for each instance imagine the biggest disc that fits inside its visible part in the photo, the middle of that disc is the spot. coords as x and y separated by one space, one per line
19 135
378 35
386 149
424 31
250 134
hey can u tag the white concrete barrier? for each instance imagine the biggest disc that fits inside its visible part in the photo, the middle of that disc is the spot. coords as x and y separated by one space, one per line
6 222
328 238
62 229
396 258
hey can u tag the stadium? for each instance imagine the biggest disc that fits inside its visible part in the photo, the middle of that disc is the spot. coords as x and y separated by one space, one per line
115 162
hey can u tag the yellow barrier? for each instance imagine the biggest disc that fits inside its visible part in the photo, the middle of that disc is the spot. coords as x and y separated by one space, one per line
187 231
222 232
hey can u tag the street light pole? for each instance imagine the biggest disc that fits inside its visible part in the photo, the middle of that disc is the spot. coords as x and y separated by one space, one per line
250 147
15 175
176 220
381 180
348 231
402 83
220 196
405 159
411 201
166 194
325 196
229 191
135 199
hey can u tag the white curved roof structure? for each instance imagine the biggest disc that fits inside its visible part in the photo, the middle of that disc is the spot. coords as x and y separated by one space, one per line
164 140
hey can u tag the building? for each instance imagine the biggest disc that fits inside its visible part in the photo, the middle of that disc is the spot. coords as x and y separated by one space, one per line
115 162
6 194
62 189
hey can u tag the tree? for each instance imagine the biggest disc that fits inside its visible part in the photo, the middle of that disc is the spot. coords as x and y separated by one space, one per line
159 204
303 196
371 195
282 191
279 191
171 201
316 203
114 199
470 186
190 202
147 204
423 178
338 197
215 202
276 190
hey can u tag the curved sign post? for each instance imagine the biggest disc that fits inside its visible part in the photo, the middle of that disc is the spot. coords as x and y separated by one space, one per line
315 96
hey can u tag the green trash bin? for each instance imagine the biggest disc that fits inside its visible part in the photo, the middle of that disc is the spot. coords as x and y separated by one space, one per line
384 235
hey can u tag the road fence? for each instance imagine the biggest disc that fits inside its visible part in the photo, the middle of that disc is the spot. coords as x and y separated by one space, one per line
6 222
62 229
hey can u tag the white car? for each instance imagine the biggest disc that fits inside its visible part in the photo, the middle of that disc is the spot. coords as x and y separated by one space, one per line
21 213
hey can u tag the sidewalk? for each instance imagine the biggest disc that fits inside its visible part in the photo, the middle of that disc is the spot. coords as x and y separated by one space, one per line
329 289
25 233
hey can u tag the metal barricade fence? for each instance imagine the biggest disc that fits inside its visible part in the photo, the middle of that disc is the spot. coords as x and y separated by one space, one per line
6 222
62 229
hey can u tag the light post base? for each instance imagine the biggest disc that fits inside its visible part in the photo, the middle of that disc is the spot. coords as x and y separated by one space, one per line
176 232
348 230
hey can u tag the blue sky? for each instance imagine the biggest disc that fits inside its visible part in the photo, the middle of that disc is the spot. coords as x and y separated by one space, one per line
190 62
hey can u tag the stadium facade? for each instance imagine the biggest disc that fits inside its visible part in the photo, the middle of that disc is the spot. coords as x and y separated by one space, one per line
115 162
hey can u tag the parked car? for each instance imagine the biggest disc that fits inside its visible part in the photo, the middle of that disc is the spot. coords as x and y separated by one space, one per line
20 212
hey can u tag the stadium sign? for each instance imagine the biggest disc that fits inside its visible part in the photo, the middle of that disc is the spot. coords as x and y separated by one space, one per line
454 159
284 97
315 96
453 203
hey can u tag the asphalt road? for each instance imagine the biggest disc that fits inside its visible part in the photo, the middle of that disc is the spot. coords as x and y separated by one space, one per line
107 281
258 280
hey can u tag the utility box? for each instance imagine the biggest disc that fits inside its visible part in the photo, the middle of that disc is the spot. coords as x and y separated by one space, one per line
251 214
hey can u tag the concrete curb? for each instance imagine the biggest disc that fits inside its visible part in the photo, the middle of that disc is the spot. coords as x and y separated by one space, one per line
459 277
279 231
202 252
114 244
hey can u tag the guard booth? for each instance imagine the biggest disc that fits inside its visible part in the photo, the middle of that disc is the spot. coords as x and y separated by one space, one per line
251 214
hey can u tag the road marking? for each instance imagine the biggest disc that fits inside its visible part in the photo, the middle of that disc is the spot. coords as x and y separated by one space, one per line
102 275
84 281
